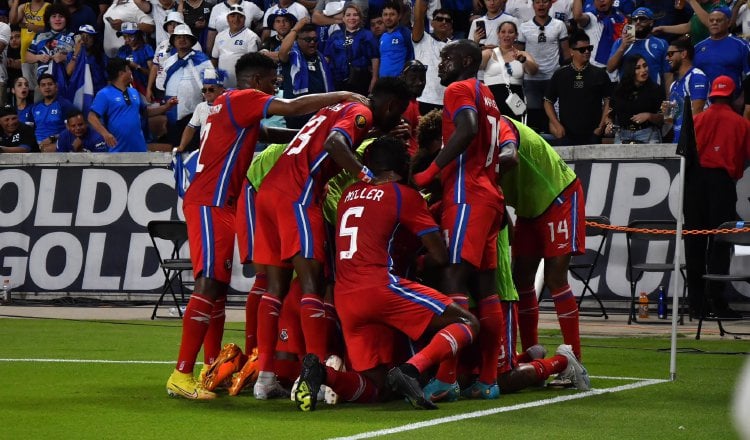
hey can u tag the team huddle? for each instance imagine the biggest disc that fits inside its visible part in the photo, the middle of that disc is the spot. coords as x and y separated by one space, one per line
367 289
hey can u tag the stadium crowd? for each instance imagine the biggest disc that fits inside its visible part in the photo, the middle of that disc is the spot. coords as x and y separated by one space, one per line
570 69
366 288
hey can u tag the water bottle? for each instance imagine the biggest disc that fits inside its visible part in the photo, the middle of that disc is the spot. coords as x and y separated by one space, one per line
661 308
5 293
643 306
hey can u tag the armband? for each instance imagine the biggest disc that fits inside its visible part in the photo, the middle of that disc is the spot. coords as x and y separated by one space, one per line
365 175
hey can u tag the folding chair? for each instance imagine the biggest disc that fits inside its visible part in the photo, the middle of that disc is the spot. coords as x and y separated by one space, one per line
732 238
174 231
582 267
638 264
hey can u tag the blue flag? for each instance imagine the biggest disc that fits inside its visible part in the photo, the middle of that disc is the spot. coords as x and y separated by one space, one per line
183 166
81 86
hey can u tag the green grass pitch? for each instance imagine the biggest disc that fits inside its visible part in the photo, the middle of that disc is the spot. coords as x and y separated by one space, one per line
86 400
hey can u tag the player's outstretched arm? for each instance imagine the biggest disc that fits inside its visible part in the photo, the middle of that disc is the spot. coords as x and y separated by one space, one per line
311 103
277 135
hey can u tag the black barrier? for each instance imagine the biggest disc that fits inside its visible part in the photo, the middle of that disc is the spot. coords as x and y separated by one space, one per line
82 228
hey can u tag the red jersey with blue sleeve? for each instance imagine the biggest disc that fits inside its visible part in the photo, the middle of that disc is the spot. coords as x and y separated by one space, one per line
227 146
469 178
369 218
304 168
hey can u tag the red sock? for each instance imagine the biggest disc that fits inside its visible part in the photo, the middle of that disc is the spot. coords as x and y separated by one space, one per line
549 366
268 330
194 327
443 346
528 317
490 337
351 386
287 370
314 325
251 321
212 340
567 315
447 370
523 358
335 339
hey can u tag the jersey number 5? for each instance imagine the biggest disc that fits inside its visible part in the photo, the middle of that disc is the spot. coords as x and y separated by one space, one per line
350 231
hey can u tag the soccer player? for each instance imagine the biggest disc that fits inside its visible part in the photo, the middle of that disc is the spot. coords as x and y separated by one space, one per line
290 228
550 225
210 202
472 207
373 303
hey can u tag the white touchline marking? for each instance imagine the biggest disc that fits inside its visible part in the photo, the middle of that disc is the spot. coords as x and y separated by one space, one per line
488 412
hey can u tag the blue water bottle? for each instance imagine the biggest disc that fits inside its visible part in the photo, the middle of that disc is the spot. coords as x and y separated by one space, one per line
661 308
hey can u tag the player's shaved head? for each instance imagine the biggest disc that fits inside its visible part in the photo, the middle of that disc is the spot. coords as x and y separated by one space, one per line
251 66
388 153
468 49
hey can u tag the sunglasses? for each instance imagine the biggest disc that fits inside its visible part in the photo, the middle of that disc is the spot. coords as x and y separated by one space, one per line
583 49
542 38
670 53
508 69
208 90
640 19
126 97
443 19
310 39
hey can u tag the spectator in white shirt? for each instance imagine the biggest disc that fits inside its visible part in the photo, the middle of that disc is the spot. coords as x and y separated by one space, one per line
427 48
487 35
232 43
217 22
122 11
213 87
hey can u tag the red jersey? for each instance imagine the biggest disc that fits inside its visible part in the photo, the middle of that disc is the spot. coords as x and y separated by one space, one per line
411 115
723 139
470 178
227 146
368 220
304 168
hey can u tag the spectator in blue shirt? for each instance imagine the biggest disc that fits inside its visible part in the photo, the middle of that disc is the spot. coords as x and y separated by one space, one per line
722 53
49 50
117 110
352 52
688 81
49 113
21 100
79 137
395 43
652 49
137 53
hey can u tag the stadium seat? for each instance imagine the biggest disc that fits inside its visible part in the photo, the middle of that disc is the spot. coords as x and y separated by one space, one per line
639 243
582 267
733 239
175 232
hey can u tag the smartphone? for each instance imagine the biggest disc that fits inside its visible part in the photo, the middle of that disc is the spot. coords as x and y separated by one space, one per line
480 25
629 29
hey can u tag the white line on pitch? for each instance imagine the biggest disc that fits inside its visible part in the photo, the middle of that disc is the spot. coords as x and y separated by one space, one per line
488 412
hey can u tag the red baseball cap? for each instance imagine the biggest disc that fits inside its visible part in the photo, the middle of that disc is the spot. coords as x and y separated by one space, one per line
722 86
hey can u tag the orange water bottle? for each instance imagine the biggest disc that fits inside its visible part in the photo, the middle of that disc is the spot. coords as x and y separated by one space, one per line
643 306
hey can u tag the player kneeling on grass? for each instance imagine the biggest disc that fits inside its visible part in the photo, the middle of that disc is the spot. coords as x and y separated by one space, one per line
372 303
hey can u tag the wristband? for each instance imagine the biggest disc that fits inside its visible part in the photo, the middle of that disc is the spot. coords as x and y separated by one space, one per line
365 175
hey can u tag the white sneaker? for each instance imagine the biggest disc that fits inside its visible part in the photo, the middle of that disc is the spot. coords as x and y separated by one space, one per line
576 372
337 364
268 387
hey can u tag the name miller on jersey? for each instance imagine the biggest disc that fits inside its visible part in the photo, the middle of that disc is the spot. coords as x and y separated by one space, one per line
364 193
